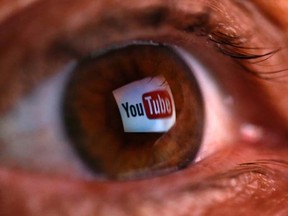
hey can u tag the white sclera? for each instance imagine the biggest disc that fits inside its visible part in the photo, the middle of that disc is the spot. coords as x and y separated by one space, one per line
131 95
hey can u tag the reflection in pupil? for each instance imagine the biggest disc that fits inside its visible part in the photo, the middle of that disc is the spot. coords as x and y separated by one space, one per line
146 105
134 112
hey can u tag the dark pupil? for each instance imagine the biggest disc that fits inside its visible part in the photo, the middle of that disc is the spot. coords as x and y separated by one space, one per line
94 124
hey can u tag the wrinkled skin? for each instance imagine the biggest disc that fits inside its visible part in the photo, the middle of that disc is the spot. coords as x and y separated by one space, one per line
246 175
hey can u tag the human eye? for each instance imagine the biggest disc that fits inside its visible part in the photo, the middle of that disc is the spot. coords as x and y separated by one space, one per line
242 74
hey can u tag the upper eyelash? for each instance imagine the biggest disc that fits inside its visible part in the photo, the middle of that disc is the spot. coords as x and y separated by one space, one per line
231 45
234 47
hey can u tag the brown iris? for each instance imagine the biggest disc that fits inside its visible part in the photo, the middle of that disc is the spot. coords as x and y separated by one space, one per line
93 121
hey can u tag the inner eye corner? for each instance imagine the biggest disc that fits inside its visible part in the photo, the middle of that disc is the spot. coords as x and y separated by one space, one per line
133 112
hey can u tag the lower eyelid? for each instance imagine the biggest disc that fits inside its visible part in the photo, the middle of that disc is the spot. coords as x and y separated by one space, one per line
233 184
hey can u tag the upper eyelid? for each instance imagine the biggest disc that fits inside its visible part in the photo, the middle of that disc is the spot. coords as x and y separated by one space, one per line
237 45
200 23
231 42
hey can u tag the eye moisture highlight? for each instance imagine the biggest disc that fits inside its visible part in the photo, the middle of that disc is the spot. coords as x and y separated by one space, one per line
134 112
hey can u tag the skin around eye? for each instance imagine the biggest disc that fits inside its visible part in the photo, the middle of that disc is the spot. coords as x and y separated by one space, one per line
248 177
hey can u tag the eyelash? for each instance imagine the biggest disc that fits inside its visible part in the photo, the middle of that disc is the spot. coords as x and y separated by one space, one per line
234 47
201 24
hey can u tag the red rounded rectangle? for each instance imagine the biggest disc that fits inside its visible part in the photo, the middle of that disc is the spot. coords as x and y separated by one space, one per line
157 104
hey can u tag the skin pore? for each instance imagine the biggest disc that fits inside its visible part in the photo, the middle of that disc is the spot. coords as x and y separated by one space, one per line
241 171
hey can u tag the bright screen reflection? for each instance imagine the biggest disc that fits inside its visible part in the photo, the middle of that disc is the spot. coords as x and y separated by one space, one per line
146 105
